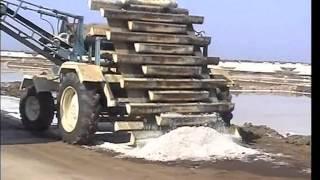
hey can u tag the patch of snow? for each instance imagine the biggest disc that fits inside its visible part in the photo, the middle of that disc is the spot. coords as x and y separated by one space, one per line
307 171
186 143
266 67
11 106
287 134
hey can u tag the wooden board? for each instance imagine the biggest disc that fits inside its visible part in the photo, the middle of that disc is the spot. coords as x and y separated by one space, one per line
98 4
163 70
157 38
163 59
164 48
150 83
155 108
141 26
185 120
128 126
161 3
157 9
153 17
178 96
98 30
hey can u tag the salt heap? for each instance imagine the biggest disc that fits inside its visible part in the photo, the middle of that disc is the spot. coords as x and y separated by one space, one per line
187 143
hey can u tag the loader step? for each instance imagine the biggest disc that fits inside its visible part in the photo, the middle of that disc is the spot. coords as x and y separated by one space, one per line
180 96
157 38
164 59
162 70
164 48
141 26
151 83
156 108
185 120
153 17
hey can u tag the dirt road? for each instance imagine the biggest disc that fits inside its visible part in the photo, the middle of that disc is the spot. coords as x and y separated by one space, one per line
42 156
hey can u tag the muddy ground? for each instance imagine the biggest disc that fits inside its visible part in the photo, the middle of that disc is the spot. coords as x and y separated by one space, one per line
26 155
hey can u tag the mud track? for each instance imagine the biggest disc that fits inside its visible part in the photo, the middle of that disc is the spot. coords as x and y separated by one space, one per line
42 156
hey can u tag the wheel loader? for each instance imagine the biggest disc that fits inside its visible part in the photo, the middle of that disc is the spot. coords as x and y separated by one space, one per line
142 73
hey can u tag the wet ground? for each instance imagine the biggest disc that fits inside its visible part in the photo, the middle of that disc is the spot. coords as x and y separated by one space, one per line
42 156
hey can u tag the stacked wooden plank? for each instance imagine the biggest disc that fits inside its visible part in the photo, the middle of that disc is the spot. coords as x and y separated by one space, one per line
160 61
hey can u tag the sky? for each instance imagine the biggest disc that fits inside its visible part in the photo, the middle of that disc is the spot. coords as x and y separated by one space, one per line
273 30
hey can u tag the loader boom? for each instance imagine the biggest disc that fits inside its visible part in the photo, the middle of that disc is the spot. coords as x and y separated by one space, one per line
65 43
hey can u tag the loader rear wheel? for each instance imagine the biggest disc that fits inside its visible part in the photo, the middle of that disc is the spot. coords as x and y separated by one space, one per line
79 109
36 110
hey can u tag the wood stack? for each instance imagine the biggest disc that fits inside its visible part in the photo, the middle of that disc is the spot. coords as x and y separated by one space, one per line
160 64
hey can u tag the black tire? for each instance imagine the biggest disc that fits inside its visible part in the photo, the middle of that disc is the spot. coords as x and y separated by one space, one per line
227 117
44 119
89 110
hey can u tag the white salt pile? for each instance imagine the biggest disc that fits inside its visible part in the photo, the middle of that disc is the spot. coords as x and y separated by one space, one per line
186 143
10 105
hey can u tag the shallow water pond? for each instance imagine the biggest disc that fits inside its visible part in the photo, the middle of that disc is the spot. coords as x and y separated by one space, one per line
286 114
11 76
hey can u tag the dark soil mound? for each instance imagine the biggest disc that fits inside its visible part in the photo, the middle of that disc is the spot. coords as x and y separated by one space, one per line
11 89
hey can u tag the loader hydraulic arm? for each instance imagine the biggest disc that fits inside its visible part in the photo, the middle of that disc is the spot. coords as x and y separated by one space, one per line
63 44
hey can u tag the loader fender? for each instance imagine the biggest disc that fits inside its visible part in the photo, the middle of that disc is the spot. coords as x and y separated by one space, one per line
85 72
40 83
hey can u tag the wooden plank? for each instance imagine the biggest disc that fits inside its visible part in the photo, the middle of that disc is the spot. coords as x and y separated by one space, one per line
157 38
98 4
164 48
128 126
151 83
157 9
111 101
156 108
167 96
153 17
98 30
161 3
141 26
162 59
163 70
113 78
185 120
132 100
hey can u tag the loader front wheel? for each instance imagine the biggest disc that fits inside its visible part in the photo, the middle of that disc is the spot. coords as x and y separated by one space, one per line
36 110
79 109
